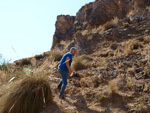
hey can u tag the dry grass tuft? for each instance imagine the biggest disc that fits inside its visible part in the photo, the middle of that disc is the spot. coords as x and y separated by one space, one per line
84 32
111 24
30 96
128 50
130 83
113 87
126 24
4 77
81 62
148 8
56 55
147 39
140 107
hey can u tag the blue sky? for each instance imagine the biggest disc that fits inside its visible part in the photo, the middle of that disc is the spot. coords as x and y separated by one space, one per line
27 26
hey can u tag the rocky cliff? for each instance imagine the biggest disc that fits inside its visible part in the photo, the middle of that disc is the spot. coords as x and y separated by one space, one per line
95 14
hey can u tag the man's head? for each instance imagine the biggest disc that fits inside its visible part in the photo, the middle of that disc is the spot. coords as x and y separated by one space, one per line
73 51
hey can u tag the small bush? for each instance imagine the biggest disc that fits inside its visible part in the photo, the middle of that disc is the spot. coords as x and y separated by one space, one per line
111 24
101 97
56 55
147 39
140 107
130 83
28 97
128 50
126 24
81 62
84 32
89 37
79 27
148 8
113 87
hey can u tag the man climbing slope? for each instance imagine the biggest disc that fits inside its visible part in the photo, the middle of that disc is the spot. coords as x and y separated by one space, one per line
65 70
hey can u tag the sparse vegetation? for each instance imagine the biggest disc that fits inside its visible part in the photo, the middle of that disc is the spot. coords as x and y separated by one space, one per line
111 24
128 50
113 87
56 55
126 24
79 27
81 62
130 83
101 97
4 65
89 37
84 32
140 106
147 39
148 8
117 54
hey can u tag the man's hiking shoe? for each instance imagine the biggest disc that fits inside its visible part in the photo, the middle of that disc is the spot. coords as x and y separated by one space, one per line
61 97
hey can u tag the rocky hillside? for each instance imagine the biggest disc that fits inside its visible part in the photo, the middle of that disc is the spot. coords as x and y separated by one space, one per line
112 68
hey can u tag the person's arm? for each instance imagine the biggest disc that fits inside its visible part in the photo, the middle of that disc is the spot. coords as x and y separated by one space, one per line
67 64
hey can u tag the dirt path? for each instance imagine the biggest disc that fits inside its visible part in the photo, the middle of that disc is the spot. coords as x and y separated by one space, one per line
72 104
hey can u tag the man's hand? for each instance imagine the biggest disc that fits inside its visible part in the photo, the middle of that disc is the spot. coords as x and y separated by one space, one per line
70 72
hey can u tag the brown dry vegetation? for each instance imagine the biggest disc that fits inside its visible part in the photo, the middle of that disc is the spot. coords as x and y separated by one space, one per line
30 96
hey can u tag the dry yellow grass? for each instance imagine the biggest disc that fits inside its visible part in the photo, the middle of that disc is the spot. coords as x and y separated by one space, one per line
128 50
56 55
110 24
81 62
131 13
130 83
113 87
30 96
84 32
148 8
3 77
126 24
117 54
147 39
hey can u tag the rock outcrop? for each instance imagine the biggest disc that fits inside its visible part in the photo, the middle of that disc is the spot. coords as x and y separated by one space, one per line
63 25
95 14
